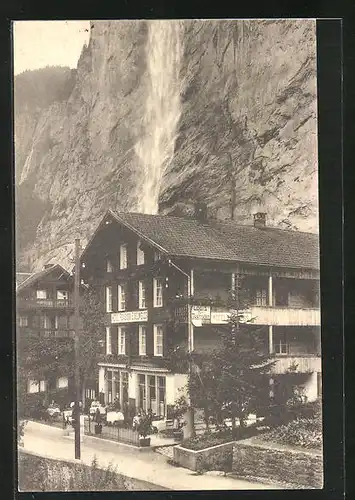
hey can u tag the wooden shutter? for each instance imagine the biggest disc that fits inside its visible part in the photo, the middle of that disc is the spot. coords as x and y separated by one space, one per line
134 337
114 339
150 340
134 294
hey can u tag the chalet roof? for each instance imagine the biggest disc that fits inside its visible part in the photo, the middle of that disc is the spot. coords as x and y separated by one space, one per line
225 240
21 277
33 278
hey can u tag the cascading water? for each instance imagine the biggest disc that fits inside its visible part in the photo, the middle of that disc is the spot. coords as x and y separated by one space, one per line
155 150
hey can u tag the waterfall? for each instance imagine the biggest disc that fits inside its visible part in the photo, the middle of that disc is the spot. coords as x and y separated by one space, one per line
155 149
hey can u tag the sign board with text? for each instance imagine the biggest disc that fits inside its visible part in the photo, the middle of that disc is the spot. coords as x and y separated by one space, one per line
129 317
200 315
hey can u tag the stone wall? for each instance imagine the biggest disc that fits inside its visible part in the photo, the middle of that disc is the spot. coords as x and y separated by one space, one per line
213 458
279 464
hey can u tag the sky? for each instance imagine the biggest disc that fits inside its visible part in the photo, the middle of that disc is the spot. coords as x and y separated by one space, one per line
48 43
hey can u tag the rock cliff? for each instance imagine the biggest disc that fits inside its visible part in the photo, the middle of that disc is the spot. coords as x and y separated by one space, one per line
159 116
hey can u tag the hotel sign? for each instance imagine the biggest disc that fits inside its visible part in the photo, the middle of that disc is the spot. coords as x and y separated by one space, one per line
129 317
222 316
200 314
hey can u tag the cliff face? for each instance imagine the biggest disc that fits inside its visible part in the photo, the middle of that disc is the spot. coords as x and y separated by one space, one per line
239 131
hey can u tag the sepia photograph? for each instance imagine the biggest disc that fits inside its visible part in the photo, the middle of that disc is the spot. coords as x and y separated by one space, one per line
168 315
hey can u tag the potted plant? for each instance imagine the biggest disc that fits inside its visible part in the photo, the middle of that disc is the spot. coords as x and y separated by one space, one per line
144 428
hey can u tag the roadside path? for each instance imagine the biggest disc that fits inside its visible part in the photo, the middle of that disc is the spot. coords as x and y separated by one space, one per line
142 465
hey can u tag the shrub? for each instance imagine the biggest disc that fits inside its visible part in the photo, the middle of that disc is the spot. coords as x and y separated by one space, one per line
203 441
306 433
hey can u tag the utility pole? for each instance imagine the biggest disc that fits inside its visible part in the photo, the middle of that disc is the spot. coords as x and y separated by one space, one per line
76 349
190 411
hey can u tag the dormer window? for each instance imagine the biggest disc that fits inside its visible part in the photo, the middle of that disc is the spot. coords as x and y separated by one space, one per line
123 257
157 255
109 267
140 254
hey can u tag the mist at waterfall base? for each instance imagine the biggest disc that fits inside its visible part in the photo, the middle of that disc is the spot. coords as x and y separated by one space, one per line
155 150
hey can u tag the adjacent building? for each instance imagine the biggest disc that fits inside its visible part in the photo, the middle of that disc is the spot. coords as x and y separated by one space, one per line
165 281
45 310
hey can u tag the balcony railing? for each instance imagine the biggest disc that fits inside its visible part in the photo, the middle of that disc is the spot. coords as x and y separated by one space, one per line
48 332
257 315
301 363
44 303
285 316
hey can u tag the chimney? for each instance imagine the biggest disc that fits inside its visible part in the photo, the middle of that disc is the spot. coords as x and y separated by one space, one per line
260 220
200 212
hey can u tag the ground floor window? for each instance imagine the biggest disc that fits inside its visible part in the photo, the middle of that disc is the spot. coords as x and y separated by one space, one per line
36 386
62 382
152 393
90 394
116 386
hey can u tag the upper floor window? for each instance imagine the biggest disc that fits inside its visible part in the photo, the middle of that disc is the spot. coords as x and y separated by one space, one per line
41 294
108 340
123 257
157 292
121 340
23 321
140 254
157 255
62 295
261 297
121 293
142 340
141 296
158 340
109 299
280 343
109 267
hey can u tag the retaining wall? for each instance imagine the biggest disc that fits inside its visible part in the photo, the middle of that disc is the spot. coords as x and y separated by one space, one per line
214 458
279 464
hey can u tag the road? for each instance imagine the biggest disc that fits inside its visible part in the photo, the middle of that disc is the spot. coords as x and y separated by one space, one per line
144 465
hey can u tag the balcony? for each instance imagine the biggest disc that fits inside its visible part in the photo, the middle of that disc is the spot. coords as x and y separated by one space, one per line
48 333
43 304
284 316
301 363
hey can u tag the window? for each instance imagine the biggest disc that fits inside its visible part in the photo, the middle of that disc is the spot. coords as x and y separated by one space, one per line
33 386
46 321
109 267
158 292
142 340
121 340
62 295
158 340
62 382
109 299
41 294
281 296
42 385
280 343
121 297
108 340
261 297
157 255
123 257
23 321
142 403
140 254
141 296
124 382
